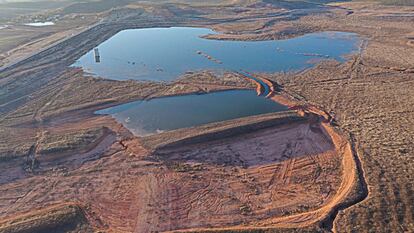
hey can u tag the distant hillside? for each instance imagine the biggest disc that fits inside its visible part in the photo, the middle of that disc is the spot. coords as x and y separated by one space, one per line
398 2
391 2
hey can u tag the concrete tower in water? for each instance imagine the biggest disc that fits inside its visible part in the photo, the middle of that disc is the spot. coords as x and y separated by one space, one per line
97 56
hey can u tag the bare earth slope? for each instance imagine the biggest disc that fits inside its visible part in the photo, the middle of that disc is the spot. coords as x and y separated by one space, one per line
352 173
372 97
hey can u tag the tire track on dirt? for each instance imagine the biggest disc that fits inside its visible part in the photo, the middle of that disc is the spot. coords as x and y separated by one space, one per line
325 216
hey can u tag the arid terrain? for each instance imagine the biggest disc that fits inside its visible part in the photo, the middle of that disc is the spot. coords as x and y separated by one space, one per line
340 160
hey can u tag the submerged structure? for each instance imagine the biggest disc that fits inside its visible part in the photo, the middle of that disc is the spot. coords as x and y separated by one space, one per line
97 56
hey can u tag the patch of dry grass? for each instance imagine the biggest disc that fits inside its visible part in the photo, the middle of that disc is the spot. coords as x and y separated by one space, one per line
15 143
62 142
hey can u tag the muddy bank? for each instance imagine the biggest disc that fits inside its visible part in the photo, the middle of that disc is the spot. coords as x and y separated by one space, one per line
345 194
231 157
241 175
219 130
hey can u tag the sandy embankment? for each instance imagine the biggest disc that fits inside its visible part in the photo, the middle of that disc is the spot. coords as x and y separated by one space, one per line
319 120
280 160
241 161
64 217
270 86
328 210
259 87
349 179
219 130
342 145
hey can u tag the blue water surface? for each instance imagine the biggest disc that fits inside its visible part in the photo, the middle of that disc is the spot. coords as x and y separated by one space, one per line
163 54
168 113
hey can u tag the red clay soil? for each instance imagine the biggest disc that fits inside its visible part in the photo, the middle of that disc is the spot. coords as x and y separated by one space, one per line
343 150
291 175
259 87
271 86
242 180
285 176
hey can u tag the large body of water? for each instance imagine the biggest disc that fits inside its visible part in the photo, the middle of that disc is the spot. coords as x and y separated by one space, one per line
168 113
162 54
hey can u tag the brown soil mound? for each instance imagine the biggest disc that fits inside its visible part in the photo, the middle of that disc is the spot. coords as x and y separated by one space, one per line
284 175
58 218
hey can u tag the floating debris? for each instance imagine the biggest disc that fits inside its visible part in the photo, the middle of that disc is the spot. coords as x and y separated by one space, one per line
209 57
313 55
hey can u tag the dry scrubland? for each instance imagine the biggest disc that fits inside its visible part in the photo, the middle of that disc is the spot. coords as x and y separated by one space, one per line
371 97
54 150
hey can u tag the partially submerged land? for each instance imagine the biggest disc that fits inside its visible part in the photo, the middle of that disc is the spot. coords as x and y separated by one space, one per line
341 160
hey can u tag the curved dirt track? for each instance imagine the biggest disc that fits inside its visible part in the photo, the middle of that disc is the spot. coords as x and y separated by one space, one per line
208 183
351 178
215 184
205 186
325 213
301 220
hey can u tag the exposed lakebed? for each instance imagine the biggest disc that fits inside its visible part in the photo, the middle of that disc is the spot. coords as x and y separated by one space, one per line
163 54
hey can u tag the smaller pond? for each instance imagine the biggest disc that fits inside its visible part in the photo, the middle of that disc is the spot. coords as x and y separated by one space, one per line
168 113
40 24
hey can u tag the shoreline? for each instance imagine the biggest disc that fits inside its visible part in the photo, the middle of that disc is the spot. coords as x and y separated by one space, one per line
339 99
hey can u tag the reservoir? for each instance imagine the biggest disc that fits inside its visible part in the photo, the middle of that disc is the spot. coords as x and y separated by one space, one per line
163 54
